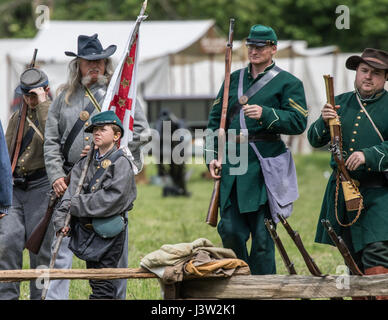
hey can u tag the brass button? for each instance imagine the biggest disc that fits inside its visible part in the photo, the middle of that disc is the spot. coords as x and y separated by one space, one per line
354 132
356 124
261 123
353 140
86 124
22 160
97 180
351 149
364 104
358 117
86 138
28 148
324 131
361 111
369 169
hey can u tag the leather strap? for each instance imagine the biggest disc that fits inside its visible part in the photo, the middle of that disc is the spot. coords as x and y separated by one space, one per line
19 136
27 138
79 125
112 158
369 117
258 85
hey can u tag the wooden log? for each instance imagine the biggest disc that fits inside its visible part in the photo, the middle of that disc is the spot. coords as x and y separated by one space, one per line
55 274
106 273
284 287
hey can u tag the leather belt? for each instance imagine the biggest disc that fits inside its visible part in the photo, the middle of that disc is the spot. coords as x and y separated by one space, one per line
37 174
374 181
255 137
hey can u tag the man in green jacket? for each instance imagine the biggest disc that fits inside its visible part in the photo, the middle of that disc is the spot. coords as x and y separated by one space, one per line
278 107
366 157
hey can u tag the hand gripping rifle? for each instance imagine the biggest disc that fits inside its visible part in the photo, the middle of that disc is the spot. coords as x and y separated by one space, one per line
68 216
34 242
212 214
353 197
17 139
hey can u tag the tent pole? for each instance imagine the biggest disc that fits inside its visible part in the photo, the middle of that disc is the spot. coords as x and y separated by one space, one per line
171 71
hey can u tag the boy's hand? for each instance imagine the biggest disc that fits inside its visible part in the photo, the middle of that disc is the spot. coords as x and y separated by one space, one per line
64 230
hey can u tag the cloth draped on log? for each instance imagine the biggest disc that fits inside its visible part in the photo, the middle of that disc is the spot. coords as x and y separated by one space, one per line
172 262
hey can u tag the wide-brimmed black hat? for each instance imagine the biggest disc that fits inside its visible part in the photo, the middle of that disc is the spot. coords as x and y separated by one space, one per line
375 58
90 48
30 79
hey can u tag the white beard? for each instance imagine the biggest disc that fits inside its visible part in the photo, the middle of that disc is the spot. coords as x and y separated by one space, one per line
101 80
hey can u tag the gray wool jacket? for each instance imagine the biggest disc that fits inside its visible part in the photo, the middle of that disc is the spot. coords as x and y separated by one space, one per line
113 193
61 119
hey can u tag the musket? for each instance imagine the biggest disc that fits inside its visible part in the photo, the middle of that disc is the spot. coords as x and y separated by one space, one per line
295 236
17 139
34 242
68 216
287 262
353 197
342 248
212 213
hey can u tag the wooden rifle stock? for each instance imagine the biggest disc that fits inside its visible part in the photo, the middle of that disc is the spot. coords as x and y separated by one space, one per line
279 244
353 197
342 248
310 263
34 242
212 214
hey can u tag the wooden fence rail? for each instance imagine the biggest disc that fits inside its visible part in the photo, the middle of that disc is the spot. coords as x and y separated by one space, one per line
236 287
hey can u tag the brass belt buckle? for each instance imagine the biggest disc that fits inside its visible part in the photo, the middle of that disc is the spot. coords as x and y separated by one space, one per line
88 226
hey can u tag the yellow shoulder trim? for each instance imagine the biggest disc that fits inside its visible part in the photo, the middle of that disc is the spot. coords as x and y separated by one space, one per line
296 106
217 101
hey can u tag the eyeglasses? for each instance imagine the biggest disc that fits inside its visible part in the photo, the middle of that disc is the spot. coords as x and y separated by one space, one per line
257 48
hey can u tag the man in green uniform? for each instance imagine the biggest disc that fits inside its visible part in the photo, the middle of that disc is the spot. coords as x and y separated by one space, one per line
278 108
366 157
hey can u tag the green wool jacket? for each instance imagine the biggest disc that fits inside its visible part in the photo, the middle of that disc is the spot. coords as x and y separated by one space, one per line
358 134
284 112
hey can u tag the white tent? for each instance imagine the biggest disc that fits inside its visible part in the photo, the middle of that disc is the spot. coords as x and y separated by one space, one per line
175 59
6 87
159 40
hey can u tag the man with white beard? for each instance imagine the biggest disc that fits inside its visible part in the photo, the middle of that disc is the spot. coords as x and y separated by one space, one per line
65 140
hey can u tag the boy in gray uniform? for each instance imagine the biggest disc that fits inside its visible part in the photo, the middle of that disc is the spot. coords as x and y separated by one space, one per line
98 222
30 186
90 71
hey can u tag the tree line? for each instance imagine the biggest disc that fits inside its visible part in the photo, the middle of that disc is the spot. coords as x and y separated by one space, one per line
355 25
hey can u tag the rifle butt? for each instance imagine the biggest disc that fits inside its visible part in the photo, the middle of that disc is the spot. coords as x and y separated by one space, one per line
34 242
212 213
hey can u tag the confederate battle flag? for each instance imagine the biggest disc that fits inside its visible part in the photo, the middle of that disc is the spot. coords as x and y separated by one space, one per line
121 93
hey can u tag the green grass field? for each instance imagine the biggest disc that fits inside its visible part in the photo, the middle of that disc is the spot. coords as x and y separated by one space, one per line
155 221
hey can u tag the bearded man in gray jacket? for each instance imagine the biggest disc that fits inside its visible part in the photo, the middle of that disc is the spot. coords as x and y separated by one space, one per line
65 140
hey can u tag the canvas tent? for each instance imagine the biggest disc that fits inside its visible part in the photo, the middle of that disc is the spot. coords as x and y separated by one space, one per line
159 41
177 58
7 45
